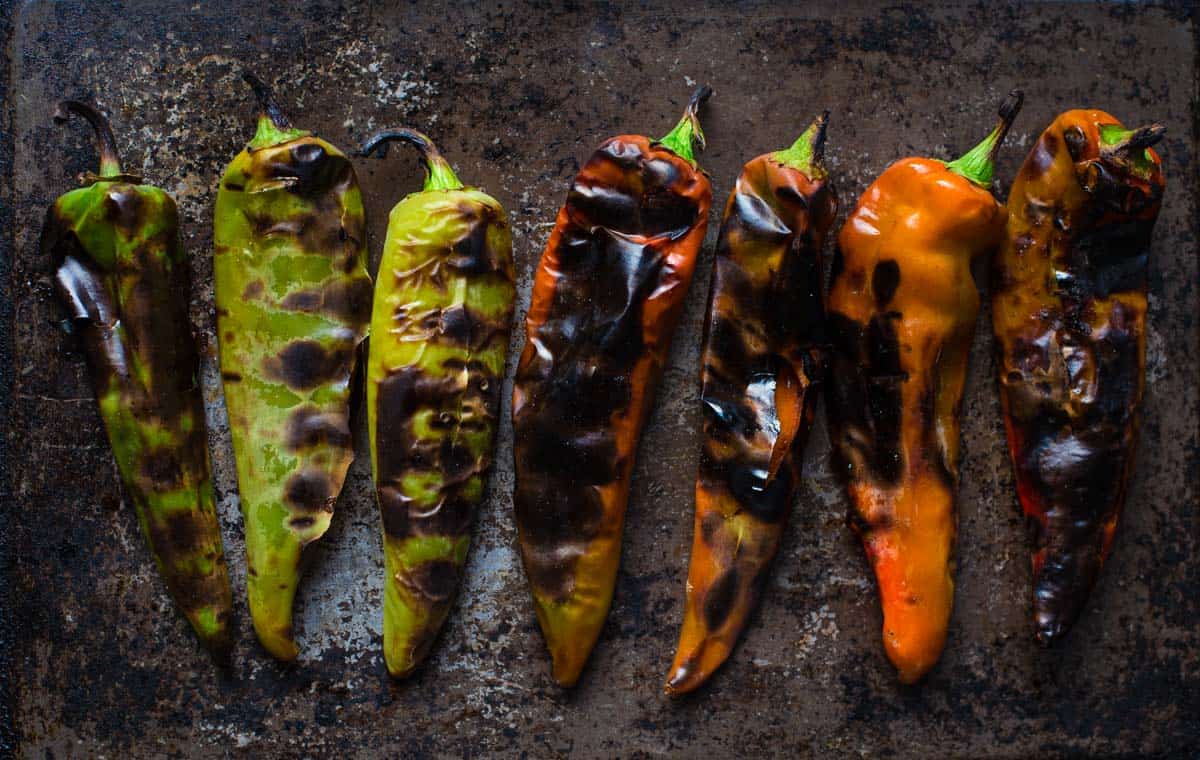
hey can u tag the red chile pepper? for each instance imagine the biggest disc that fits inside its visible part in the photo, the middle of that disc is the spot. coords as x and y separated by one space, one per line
606 298
761 372
1069 314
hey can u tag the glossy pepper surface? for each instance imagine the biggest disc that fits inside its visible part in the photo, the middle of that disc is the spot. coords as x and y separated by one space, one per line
293 301
902 308
762 368
1069 315
606 297
440 331
122 274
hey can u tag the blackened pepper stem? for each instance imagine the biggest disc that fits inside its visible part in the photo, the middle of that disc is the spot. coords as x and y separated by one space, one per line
807 154
110 160
979 163
687 132
274 126
1129 145
439 175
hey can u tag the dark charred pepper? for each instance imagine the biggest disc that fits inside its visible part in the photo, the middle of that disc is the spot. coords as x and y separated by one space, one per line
762 368
902 308
606 297
293 301
1069 315
122 274
440 330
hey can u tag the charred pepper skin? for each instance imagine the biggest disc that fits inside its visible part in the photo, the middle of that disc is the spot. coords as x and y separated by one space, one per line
441 325
1069 316
761 372
122 275
606 297
293 301
902 308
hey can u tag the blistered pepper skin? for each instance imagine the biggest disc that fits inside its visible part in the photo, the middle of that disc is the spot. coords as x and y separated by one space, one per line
293 302
762 368
902 308
440 331
1069 316
122 275
606 297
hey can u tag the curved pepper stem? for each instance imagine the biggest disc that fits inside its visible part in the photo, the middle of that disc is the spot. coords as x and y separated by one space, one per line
1129 146
807 154
274 126
439 175
110 160
979 163
687 132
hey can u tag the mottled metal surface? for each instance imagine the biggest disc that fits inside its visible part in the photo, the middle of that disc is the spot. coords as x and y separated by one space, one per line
95 660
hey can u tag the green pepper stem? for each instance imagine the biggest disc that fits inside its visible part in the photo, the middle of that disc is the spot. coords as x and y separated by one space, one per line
1129 145
979 163
274 126
110 160
807 154
438 173
687 132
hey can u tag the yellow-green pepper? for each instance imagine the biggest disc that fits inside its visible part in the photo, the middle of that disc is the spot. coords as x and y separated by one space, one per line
293 297
440 327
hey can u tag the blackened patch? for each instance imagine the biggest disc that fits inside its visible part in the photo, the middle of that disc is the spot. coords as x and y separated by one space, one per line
161 467
175 535
231 377
435 580
884 281
253 290
303 300
123 207
471 254
313 170
721 596
348 300
302 522
308 428
1075 139
305 364
309 490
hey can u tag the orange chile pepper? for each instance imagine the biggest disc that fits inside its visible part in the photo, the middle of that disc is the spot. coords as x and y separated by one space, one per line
902 308
606 298
1069 315
763 365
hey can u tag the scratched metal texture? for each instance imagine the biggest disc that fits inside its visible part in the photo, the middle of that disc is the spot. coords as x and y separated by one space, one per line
95 662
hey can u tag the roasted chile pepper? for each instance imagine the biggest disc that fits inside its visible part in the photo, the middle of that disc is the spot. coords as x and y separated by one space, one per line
606 298
440 327
293 301
762 368
902 308
122 275
1069 315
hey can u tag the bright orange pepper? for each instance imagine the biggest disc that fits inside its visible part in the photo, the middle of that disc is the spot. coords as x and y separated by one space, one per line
902 309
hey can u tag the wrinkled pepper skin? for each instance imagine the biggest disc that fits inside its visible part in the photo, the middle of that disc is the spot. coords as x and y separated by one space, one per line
606 297
293 300
762 369
122 275
1069 316
901 310
440 330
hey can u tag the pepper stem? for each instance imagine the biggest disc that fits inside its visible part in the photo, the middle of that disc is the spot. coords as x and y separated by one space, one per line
979 163
807 154
438 173
687 132
273 124
1130 144
110 160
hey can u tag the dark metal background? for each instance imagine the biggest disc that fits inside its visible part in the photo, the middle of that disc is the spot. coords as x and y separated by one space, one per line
94 660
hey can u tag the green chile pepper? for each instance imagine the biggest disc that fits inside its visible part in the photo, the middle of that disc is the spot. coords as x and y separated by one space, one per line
293 298
122 275
441 325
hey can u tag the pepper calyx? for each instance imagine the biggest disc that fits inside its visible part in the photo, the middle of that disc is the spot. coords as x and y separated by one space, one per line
979 164
807 154
687 133
439 175
1130 147
274 127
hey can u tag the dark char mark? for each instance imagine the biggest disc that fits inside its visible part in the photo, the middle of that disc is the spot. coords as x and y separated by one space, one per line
305 364
884 281
721 596
309 490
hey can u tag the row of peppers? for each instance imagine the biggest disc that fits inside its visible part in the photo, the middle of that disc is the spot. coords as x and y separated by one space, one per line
889 336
